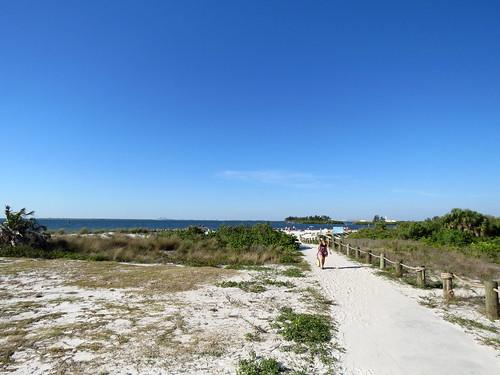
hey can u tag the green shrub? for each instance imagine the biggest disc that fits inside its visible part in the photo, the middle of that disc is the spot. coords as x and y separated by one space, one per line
415 230
468 231
308 329
489 248
293 272
453 237
256 366
247 286
20 228
278 283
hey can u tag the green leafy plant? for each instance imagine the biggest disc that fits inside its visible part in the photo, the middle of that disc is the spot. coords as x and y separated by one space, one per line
304 328
19 228
259 366
293 272
310 333
247 286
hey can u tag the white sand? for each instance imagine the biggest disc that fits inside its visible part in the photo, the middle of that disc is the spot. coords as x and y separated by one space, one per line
140 332
385 331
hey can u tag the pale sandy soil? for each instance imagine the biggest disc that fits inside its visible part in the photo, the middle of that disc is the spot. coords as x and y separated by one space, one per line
386 331
72 317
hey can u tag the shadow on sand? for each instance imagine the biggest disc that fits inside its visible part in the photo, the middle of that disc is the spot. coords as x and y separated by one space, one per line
343 268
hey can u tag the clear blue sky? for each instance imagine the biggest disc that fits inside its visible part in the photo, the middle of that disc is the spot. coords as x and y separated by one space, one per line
250 109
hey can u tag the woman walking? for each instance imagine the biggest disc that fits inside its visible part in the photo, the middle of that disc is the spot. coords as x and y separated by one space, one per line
322 253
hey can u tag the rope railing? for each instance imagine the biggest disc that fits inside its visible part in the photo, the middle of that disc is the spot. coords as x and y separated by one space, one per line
473 283
411 268
388 260
490 288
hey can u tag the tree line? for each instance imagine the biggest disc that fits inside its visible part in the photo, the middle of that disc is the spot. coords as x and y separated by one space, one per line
316 219
458 228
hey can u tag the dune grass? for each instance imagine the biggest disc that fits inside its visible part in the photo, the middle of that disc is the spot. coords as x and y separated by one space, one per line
237 246
436 259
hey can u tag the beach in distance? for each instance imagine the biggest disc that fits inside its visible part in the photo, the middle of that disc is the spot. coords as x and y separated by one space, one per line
75 225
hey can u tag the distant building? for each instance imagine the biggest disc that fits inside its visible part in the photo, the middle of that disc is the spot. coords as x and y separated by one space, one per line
389 220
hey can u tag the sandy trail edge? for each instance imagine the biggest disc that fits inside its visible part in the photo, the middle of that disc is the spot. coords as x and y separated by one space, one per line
386 332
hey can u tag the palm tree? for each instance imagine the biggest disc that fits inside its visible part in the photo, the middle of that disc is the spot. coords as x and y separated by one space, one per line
468 221
19 228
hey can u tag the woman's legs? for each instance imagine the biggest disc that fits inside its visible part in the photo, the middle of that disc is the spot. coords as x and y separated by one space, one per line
321 260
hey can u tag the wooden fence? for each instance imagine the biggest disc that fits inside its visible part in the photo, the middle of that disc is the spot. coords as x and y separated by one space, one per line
490 287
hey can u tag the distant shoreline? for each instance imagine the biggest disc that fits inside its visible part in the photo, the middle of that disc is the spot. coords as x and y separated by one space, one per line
72 225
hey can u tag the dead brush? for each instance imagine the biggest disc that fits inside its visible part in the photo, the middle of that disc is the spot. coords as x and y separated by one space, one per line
435 259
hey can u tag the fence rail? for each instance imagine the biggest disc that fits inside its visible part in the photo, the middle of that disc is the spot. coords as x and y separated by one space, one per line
491 290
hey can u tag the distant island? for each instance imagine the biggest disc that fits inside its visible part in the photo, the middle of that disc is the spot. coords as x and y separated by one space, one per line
323 219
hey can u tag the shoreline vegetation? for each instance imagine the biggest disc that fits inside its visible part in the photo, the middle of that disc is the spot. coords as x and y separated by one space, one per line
462 241
21 236
317 219
228 246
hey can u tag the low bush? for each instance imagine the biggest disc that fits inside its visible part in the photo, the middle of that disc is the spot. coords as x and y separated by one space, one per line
466 231
478 260
243 246
310 333
293 272
453 237
259 366
308 329
247 286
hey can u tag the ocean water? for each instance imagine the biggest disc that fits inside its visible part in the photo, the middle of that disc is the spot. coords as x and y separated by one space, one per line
74 225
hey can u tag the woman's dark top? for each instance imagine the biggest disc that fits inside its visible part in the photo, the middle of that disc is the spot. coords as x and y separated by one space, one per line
323 250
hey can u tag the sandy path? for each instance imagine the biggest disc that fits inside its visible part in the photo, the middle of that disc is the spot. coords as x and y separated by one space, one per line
385 331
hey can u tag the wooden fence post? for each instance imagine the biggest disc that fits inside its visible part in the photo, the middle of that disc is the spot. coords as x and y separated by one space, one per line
382 261
421 277
447 285
356 252
368 257
491 299
399 268
348 250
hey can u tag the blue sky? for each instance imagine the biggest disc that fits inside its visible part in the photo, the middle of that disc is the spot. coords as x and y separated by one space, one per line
250 109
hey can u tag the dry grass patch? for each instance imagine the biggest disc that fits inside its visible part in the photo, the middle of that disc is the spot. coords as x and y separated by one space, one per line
16 336
19 308
491 341
469 323
315 297
113 275
157 278
436 259
5 295
17 266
